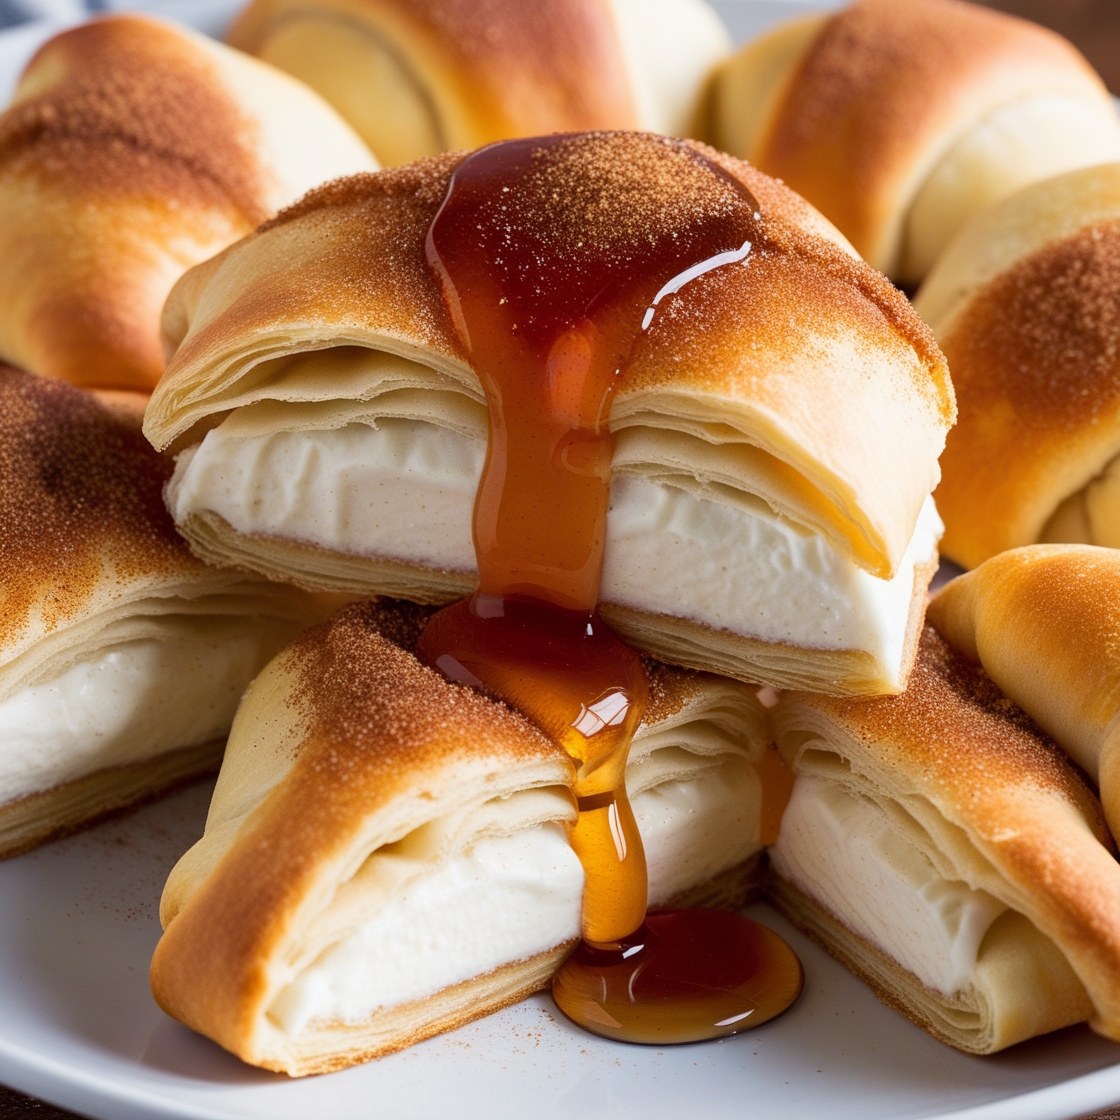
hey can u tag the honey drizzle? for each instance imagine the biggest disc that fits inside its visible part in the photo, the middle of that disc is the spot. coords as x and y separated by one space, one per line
552 263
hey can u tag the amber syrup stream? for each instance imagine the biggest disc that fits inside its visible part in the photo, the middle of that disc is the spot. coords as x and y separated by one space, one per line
554 256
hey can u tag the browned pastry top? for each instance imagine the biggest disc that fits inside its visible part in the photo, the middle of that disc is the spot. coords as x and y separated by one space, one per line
1043 338
882 80
119 107
1035 357
510 42
379 716
671 688
1045 622
81 492
955 726
620 188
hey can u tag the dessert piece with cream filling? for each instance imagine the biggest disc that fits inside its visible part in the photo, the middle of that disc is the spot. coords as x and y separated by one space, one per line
941 845
904 121
132 150
419 872
416 78
122 657
776 421
547 336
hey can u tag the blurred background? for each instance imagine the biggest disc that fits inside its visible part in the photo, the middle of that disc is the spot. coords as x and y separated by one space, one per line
1093 25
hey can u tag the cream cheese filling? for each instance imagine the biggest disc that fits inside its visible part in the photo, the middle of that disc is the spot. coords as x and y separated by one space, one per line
845 852
404 491
506 899
694 829
135 701
509 898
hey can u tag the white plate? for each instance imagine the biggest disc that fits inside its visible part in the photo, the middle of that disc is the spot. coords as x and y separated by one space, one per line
78 1025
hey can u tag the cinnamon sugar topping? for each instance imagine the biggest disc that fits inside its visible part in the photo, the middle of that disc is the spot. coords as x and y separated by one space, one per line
81 493
370 696
965 732
139 110
1044 337
425 180
649 187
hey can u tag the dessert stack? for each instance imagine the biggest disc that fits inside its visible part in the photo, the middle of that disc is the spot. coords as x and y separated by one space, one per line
390 849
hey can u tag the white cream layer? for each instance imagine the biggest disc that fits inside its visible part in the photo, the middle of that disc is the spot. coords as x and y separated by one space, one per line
694 830
134 702
512 897
507 899
405 491
844 852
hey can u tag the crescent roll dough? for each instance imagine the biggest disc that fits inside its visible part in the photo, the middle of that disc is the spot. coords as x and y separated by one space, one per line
1024 306
902 120
776 429
417 78
1044 622
941 845
386 854
122 657
133 150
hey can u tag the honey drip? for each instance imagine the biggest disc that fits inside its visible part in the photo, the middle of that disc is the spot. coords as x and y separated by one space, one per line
554 256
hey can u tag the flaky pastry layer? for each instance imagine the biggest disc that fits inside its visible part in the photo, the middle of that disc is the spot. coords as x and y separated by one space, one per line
987 798
802 378
442 786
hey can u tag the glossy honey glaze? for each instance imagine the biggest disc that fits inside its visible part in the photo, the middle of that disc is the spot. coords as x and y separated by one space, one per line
554 255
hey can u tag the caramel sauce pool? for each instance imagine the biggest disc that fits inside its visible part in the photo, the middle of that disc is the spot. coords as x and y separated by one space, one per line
554 256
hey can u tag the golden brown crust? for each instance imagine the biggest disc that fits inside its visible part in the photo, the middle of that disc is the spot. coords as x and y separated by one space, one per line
1057 605
1035 356
372 695
495 69
81 498
126 110
882 91
955 727
348 256
134 150
1044 622
121 134
792 236
795 263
